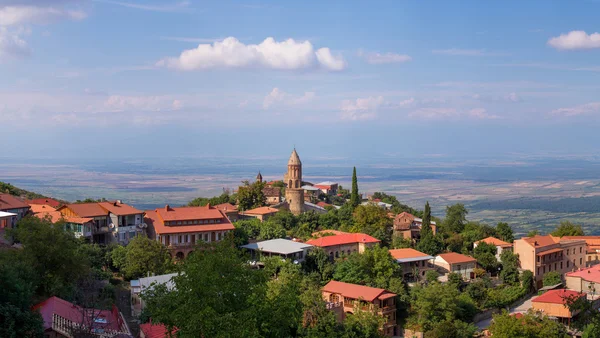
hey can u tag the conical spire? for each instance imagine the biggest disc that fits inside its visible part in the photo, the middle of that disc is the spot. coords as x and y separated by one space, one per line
259 177
294 158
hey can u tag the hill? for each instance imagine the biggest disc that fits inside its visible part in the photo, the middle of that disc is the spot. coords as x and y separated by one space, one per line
12 190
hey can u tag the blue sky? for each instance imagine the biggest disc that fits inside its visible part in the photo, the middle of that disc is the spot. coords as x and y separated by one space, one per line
336 78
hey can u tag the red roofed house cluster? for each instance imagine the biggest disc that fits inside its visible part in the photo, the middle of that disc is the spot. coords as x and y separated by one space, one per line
180 229
553 303
343 243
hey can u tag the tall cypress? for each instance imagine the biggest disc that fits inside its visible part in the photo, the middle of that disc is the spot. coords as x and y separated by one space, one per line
354 199
426 225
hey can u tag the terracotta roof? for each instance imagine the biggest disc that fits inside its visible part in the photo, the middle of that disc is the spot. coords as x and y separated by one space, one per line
591 274
188 213
540 241
589 240
495 241
262 211
356 291
323 204
456 258
35 208
47 201
56 216
294 158
8 202
120 209
74 313
407 253
160 228
559 296
151 330
271 192
86 209
227 207
342 239
399 223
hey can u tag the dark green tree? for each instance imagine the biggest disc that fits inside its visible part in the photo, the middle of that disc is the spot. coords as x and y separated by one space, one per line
251 195
527 281
373 220
552 278
317 320
317 261
354 198
567 228
530 325
143 256
510 265
505 232
426 218
374 267
485 254
455 218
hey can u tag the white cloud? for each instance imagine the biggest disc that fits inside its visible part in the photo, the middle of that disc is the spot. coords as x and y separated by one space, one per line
433 113
18 15
279 96
269 54
361 108
120 103
378 58
575 40
174 7
589 108
466 52
12 45
402 104
481 113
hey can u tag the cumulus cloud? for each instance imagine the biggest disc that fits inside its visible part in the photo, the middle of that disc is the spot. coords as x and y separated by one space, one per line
12 45
575 40
379 58
279 96
584 109
19 15
269 54
361 108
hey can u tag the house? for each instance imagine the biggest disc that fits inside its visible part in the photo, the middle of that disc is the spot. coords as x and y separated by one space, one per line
414 263
138 286
284 248
592 248
37 208
346 298
499 244
308 207
311 192
409 226
344 243
155 330
553 303
101 232
44 201
230 210
80 226
180 229
272 195
541 254
584 280
127 221
380 204
12 204
457 263
327 187
262 213
64 319
7 221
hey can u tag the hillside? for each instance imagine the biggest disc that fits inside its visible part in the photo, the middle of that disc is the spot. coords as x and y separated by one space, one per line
11 189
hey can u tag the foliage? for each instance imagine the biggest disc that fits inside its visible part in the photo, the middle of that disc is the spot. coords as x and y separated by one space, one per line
503 296
455 218
527 281
363 324
270 230
90 200
141 257
397 207
374 267
533 233
486 256
452 329
567 228
251 196
317 261
317 320
372 220
455 243
431 276
225 197
478 291
510 265
12 190
399 242
431 244
455 279
588 317
552 278
505 232
354 198
530 325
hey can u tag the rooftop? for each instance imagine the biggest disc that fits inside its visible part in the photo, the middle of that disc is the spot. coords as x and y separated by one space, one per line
456 258
188 213
145 282
559 296
6 214
226 207
271 192
591 274
294 158
495 241
409 255
279 246
47 201
356 291
325 184
310 188
74 313
8 202
35 208
261 211
86 209
153 218
341 239
56 216
156 330
120 209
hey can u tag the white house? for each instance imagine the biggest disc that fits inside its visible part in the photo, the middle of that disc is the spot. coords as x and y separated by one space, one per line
455 262
499 244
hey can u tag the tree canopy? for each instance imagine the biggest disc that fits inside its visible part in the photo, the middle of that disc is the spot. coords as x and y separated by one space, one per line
567 228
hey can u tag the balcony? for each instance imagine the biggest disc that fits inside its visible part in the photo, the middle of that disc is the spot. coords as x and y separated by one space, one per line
549 259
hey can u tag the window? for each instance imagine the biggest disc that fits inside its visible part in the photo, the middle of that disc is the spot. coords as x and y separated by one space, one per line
561 265
580 249
206 238
179 223
580 261
544 269
538 271
212 221
337 254
180 239
187 238
555 264
568 262
567 251
218 236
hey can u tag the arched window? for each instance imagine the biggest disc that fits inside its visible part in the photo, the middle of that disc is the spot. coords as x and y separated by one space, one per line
297 184
333 298
290 184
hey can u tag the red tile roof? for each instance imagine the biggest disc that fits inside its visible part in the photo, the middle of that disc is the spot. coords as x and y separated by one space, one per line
56 216
342 239
151 330
407 253
591 274
8 202
35 208
495 241
154 218
559 296
120 209
47 201
86 209
540 241
261 211
188 213
456 258
356 291
271 192
74 313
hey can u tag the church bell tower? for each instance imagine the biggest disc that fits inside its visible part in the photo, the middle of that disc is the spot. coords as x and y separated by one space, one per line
294 194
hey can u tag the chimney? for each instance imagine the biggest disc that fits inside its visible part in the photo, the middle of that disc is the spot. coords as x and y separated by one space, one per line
167 207
115 204
207 205
535 243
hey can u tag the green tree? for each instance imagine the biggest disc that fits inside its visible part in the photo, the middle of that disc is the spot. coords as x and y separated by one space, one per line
317 320
373 220
452 329
144 256
374 267
225 197
431 276
486 256
363 324
430 244
317 261
527 281
510 267
270 230
455 279
354 198
533 233
567 228
426 218
530 325
455 218
552 278
399 242
251 196
505 232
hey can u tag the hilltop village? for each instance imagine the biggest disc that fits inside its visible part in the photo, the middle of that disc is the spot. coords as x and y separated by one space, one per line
286 258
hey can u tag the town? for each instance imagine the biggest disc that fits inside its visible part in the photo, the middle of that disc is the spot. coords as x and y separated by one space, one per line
287 258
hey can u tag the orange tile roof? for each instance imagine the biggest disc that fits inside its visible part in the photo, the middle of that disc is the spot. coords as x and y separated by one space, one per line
188 213
154 219
227 207
495 241
342 239
8 202
86 209
120 209
56 216
47 201
456 258
589 240
262 211
356 291
35 208
407 253
559 296
541 241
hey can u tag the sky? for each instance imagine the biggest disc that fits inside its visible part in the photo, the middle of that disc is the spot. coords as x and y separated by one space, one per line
133 78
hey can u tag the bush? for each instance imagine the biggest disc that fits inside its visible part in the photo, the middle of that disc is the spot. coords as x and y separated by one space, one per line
503 296
431 276
552 278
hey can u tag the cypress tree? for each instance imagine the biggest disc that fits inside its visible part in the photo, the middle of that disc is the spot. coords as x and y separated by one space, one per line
354 199
426 226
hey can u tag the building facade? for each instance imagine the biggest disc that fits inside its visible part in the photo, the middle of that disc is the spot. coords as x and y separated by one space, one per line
414 263
456 263
409 226
344 243
499 244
